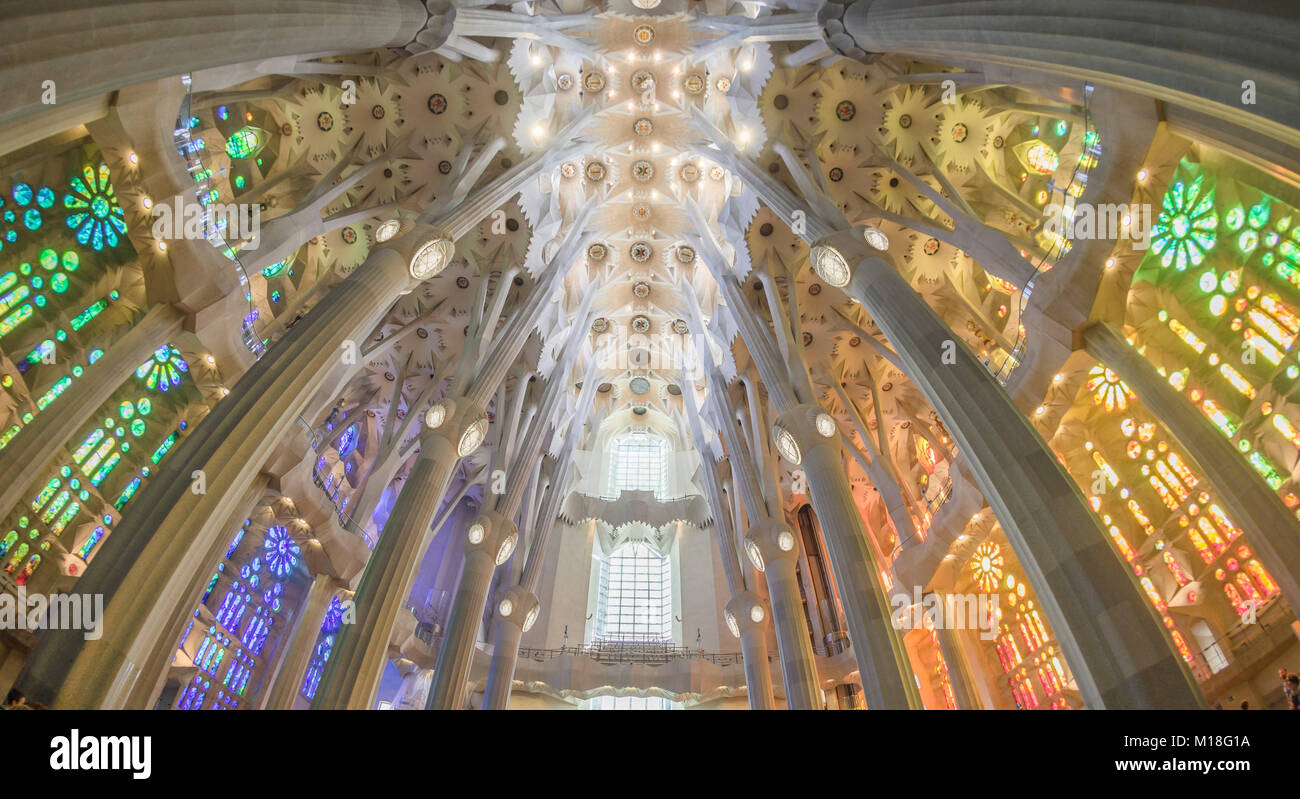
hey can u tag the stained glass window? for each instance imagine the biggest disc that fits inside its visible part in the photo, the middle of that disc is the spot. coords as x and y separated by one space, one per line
635 596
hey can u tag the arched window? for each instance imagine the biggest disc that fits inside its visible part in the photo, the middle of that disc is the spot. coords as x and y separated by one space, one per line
638 462
635 599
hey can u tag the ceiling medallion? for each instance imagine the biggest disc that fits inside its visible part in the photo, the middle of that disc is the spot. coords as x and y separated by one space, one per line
564 81
998 141
675 390
643 171
597 252
286 129
593 82
680 326
643 80
640 324
694 84
643 34
807 338
640 252
815 289
462 282
421 333
641 289
905 120
959 132
931 246
835 174
444 167
846 110
595 171
690 173
437 103
886 386
716 173
348 235
643 127
639 385
324 120
855 341
605 388
724 85
568 169
686 254
377 111
641 212
600 325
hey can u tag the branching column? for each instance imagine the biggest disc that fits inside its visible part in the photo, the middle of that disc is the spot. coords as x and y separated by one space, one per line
745 615
1108 631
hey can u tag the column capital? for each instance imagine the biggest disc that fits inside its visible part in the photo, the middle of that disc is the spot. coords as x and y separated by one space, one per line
801 429
746 611
768 541
460 423
492 534
518 606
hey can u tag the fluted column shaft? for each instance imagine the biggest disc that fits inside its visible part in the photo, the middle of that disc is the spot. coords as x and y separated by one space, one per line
351 677
450 689
886 671
501 671
301 643
758 673
1275 532
959 675
154 559
134 42
798 667
36 446
1111 637
1195 54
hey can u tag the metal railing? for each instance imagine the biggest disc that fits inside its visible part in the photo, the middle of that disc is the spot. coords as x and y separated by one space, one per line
632 652
1068 195
191 151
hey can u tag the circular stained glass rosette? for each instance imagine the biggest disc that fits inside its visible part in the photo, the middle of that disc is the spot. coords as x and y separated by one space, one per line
690 173
686 254
640 324
600 325
643 34
680 326
642 80
593 82
693 84
641 289
643 127
564 81
640 252
595 171
597 252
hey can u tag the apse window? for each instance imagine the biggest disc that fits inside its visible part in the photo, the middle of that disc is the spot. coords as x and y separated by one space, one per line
638 462
630 703
635 598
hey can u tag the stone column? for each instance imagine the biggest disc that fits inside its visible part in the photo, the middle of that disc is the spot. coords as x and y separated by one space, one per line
747 616
516 611
959 675
1196 54
154 557
808 436
1244 494
134 42
301 643
36 446
351 677
489 541
779 550
1111 637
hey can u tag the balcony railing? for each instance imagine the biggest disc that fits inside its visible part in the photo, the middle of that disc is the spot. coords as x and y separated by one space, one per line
631 652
